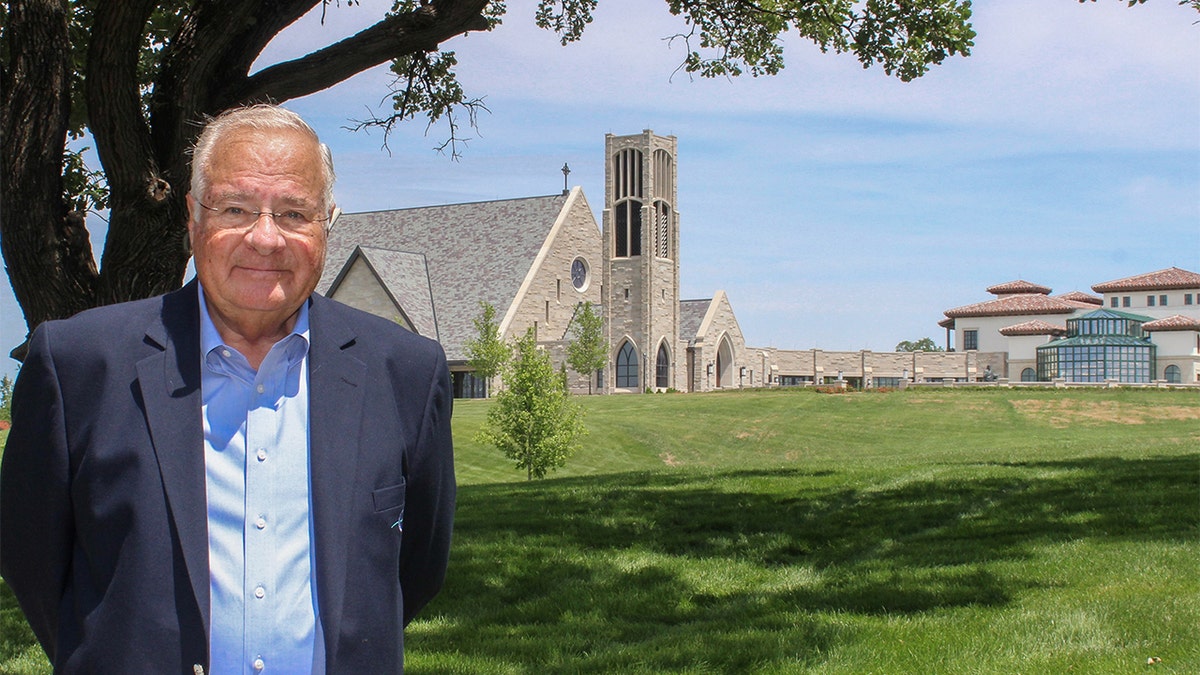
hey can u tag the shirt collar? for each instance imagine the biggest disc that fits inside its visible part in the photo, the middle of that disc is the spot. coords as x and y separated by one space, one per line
210 338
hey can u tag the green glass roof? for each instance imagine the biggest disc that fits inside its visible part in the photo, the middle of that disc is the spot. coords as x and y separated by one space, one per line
1114 314
1098 341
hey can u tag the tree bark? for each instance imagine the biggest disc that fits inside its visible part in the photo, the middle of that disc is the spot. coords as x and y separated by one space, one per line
46 249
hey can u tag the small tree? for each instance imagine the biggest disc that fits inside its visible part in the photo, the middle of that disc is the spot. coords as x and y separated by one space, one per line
533 421
587 352
486 352
923 345
6 390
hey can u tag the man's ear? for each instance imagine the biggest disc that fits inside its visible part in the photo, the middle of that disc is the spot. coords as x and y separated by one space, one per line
333 216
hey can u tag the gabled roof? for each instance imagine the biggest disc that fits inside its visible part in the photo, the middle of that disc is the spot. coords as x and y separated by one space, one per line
475 251
1080 296
1018 304
404 277
1033 327
1018 286
1174 322
1162 280
691 315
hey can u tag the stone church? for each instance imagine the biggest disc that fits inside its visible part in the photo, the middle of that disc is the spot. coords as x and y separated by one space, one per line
536 260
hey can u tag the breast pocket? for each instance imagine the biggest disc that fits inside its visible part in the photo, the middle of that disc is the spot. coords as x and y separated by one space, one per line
389 504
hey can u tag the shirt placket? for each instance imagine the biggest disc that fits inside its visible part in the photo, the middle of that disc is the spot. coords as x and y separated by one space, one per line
261 468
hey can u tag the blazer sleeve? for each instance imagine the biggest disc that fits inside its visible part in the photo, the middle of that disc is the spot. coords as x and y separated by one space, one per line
429 499
36 525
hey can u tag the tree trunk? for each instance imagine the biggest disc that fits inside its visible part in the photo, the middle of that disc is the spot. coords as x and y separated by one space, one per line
46 249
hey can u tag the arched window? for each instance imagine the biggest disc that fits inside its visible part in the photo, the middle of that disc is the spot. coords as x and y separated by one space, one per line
662 368
1029 375
627 367
662 229
1172 374
628 228
627 203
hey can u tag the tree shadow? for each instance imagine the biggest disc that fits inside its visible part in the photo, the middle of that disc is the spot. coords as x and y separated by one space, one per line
633 571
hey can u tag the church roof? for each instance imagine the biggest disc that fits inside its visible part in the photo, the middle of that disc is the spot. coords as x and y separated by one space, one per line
1162 280
1018 286
1017 304
478 251
691 315
405 277
1173 322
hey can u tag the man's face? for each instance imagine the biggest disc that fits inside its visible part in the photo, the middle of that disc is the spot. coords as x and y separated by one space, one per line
264 273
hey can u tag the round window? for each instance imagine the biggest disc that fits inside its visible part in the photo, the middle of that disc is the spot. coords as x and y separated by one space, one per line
579 274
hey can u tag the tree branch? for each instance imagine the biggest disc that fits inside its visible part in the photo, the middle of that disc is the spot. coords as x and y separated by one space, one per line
418 31
115 114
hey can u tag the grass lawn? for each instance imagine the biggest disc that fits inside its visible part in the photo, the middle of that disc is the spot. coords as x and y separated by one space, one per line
931 531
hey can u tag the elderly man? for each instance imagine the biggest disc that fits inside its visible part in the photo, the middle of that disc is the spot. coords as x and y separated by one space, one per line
240 476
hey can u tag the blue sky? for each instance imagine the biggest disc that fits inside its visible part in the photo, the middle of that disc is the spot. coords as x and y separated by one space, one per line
837 207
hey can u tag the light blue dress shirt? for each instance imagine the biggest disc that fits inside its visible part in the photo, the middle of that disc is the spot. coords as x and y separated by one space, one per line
264 614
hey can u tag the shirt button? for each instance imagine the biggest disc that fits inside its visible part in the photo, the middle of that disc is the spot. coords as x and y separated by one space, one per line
260 592
260 523
262 454
259 664
226 353
261 388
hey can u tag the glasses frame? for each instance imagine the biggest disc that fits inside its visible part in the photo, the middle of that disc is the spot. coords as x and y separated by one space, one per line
277 217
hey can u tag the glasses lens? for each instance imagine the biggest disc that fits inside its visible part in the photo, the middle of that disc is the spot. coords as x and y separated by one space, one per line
228 216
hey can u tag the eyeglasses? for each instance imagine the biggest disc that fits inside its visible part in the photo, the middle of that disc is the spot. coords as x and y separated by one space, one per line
233 217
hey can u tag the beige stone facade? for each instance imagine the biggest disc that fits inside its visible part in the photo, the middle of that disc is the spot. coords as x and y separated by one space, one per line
537 259
641 270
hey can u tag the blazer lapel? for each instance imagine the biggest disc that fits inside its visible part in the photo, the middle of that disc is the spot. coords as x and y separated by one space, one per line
335 403
170 387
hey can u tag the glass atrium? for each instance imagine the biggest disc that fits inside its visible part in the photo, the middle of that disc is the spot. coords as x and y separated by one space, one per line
1101 345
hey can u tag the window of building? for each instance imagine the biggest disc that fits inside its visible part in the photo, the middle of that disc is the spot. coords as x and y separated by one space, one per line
1149 300
662 368
1162 301
1029 374
1172 374
628 216
794 380
970 339
627 367
467 385
627 204
1187 298
662 229
887 383
1125 301
1112 302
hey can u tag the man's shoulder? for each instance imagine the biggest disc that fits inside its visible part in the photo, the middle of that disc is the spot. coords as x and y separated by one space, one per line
123 318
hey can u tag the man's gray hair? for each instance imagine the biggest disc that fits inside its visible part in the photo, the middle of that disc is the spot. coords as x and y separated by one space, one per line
261 116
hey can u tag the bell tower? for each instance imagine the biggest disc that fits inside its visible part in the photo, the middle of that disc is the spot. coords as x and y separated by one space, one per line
641 263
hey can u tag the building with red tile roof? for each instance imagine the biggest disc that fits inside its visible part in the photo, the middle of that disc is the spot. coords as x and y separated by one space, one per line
1024 318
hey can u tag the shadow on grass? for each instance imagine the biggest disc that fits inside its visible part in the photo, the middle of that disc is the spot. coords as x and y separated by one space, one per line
735 571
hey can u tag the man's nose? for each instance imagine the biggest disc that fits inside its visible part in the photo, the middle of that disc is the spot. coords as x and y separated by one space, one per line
265 235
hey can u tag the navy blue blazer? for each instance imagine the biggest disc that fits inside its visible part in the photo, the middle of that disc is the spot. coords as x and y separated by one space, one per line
103 526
